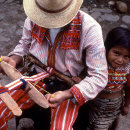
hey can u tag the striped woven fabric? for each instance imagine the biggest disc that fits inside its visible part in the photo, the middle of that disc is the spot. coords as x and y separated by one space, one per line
14 90
17 83
102 112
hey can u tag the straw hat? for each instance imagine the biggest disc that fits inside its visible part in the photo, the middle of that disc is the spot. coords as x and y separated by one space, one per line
51 13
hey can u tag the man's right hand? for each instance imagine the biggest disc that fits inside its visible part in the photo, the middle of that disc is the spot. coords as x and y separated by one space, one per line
9 60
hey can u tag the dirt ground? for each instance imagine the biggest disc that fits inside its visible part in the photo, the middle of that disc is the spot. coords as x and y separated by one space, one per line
11 22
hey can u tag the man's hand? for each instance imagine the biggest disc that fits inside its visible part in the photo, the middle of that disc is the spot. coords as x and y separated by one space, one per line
13 60
58 98
9 60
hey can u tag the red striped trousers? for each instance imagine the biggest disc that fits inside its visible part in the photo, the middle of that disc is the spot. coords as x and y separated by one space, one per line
62 118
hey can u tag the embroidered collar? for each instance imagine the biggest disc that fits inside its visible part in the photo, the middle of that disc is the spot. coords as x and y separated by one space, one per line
71 34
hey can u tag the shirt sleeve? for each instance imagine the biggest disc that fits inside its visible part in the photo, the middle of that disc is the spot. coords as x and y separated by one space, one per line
97 72
23 47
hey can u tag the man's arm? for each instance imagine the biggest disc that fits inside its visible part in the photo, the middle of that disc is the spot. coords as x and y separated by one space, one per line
22 48
97 71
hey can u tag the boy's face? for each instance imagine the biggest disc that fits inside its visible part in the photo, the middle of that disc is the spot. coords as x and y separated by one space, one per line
118 56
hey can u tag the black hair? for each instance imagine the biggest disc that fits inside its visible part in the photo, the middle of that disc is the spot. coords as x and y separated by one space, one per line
118 36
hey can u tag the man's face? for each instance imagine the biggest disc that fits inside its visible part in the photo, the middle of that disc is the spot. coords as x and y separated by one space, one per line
118 56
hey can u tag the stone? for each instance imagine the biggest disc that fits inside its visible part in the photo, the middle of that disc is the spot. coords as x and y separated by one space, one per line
4 39
1 30
102 6
84 9
19 32
126 19
111 3
25 123
12 29
121 6
1 1
104 10
12 124
110 17
124 26
100 20
2 16
9 1
21 23
96 15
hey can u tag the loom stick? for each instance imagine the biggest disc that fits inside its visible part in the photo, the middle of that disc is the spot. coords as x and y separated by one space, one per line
10 103
58 74
34 94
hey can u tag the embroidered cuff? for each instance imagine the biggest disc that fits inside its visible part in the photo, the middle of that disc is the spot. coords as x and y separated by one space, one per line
78 95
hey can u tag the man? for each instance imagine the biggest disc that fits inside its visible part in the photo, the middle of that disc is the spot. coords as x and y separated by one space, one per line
58 33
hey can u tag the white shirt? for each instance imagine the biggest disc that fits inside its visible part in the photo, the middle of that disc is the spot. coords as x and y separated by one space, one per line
69 61
53 34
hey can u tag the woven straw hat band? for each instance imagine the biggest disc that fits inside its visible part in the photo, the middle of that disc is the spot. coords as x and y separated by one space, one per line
50 7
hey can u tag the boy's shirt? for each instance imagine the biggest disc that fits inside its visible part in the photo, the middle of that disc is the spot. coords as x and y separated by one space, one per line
118 78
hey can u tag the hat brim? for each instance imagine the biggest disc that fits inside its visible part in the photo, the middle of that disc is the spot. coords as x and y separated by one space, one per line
51 20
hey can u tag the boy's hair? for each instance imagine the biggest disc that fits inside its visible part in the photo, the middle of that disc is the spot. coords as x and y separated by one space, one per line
118 36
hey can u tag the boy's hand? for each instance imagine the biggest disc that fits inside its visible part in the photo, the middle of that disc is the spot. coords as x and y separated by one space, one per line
125 110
